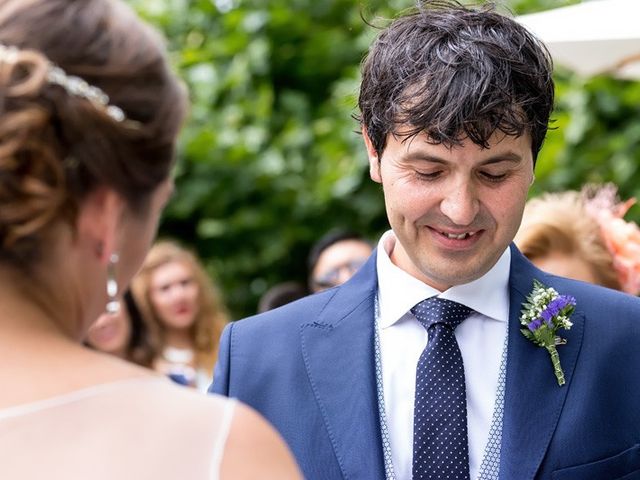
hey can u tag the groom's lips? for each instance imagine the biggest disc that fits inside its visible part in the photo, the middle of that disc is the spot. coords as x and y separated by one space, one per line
456 239
459 235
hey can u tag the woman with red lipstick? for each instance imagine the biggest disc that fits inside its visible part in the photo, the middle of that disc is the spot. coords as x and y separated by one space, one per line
184 312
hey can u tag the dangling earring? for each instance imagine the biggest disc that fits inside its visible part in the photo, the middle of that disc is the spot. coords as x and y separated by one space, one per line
113 304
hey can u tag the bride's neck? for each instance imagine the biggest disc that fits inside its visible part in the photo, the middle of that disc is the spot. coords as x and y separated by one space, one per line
28 304
40 357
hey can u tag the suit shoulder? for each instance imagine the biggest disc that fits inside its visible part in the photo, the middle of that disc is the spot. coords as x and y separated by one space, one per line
291 315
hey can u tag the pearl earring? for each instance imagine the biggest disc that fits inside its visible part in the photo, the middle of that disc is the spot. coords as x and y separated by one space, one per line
113 304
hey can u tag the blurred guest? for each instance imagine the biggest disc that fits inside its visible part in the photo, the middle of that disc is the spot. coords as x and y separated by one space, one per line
89 115
123 334
582 235
281 294
335 258
184 311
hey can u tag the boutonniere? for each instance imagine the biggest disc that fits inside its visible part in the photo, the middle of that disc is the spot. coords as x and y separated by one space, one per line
543 314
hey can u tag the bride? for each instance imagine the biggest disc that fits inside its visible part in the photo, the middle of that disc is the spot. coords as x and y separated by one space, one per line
89 114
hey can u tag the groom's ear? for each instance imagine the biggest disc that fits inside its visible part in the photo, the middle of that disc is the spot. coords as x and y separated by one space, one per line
374 160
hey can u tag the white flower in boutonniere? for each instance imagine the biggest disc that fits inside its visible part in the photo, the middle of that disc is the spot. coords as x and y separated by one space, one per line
544 313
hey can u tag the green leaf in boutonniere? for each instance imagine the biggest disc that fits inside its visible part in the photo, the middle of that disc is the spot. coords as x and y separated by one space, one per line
543 314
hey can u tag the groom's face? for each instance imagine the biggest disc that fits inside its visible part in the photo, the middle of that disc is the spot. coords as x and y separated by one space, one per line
454 210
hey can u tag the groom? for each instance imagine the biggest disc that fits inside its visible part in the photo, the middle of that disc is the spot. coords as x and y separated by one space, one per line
454 107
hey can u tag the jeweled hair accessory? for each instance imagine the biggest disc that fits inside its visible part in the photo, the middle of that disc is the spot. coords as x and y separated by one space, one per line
73 85
622 238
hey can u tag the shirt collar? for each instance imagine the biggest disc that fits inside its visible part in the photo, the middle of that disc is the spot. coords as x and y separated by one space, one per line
398 291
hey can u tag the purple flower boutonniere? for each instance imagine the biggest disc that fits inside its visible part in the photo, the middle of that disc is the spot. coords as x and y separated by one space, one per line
543 314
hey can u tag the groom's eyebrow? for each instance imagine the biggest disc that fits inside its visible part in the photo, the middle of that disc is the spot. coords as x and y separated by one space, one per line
510 157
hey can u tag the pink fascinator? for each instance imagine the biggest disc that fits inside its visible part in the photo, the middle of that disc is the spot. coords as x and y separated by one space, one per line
622 238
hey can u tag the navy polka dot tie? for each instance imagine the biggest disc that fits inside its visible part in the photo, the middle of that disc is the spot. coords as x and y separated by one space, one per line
440 442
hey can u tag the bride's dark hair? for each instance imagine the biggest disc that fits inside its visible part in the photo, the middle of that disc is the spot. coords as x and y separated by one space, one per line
57 146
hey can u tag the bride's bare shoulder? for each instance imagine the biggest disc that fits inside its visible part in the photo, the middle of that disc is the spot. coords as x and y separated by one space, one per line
248 445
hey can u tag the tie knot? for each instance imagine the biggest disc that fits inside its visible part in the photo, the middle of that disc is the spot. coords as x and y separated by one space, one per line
440 310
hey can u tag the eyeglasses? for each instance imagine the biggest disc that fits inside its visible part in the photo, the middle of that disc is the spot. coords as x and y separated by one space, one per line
335 277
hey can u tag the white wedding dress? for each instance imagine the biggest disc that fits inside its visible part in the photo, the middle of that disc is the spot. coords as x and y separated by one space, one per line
143 428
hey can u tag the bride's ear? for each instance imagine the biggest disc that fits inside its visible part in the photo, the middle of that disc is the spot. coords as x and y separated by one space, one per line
98 222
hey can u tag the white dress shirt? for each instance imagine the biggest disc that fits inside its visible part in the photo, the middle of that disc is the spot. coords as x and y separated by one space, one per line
481 339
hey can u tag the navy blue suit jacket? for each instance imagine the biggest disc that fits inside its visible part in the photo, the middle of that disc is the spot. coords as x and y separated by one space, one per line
309 368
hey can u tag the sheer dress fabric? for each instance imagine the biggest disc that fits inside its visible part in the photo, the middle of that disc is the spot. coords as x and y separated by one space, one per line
131 429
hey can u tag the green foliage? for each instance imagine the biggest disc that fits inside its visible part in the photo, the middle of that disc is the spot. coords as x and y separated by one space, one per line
596 137
270 158
531 6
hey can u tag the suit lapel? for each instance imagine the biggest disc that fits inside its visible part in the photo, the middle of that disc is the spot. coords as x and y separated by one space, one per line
533 398
338 350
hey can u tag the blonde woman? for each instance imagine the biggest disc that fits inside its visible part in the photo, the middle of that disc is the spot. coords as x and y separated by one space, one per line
582 235
184 311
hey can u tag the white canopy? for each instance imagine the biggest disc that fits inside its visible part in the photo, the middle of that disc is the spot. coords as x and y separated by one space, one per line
599 36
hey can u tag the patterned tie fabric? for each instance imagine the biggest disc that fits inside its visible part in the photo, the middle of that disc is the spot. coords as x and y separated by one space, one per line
440 441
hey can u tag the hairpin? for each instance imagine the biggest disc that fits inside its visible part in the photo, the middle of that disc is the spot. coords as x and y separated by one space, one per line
73 85
621 238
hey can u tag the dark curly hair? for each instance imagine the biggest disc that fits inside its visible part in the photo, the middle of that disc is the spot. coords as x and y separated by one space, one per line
456 72
56 147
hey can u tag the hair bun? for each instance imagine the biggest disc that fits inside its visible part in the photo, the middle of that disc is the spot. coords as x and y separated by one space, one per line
31 172
87 100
